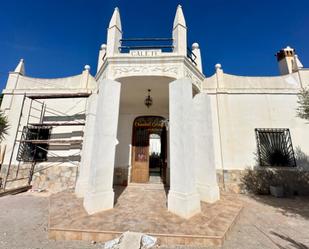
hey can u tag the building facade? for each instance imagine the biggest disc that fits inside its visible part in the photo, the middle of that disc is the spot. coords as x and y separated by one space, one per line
150 113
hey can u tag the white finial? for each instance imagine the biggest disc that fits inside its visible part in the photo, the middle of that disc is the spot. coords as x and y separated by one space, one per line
114 34
179 17
20 67
195 46
87 67
115 20
218 66
103 46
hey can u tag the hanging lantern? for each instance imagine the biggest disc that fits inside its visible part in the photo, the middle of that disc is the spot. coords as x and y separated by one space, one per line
148 100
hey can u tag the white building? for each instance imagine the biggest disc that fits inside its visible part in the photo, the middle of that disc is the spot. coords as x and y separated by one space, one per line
90 133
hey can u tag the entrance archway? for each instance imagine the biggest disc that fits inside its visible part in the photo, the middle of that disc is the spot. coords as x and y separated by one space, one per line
149 149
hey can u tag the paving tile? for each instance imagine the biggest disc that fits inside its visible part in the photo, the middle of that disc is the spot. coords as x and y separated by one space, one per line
142 209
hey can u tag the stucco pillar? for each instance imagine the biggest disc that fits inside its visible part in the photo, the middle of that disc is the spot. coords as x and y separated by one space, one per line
204 157
183 198
100 194
89 132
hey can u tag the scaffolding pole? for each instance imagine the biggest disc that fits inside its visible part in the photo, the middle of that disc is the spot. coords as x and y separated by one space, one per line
14 144
42 110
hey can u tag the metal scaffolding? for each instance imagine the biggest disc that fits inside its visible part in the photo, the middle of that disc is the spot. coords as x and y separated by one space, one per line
28 145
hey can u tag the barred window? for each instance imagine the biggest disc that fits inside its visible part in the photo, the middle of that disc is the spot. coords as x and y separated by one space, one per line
33 146
274 147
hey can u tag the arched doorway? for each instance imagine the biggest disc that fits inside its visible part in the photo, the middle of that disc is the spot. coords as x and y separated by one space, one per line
149 149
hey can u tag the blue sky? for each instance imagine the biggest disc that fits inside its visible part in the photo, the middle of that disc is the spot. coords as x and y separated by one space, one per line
58 37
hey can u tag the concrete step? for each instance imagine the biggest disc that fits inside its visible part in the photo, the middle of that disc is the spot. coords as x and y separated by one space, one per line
147 186
15 191
155 179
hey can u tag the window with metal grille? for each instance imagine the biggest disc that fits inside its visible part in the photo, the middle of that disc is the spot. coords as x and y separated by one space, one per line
33 146
274 148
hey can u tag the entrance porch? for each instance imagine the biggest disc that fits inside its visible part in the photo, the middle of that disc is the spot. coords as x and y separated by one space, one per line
187 149
142 133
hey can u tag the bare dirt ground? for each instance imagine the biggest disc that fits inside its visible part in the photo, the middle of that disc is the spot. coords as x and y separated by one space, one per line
265 222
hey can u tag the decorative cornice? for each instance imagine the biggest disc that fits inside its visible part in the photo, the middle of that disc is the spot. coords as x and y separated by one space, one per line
118 71
169 66
254 91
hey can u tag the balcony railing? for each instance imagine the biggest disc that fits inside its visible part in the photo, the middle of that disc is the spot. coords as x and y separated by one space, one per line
164 44
191 56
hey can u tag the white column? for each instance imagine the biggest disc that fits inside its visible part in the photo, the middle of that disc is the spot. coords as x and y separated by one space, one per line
204 157
100 194
84 171
183 198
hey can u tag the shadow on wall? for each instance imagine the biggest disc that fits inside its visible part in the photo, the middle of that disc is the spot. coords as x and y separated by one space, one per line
66 118
294 180
302 159
71 158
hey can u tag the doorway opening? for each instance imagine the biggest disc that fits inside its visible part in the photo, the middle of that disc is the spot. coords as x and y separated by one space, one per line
149 150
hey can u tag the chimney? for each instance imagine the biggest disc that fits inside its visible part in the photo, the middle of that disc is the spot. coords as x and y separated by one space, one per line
286 60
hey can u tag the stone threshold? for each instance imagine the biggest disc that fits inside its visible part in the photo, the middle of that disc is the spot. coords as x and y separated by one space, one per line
163 239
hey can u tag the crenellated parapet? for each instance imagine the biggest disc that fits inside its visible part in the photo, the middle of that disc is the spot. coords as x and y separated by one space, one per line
19 83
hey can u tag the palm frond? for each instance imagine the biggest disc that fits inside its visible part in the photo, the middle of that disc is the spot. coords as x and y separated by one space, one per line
4 126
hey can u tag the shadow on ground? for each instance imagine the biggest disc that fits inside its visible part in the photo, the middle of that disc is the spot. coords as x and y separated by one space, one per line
289 206
118 190
292 242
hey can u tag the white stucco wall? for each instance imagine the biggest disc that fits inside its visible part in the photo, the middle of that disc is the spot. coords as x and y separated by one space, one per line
241 104
241 114
124 136
304 75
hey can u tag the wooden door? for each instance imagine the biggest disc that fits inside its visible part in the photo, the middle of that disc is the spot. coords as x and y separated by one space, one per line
143 126
140 166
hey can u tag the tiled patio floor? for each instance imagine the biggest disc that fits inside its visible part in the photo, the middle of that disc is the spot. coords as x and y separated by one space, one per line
142 208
